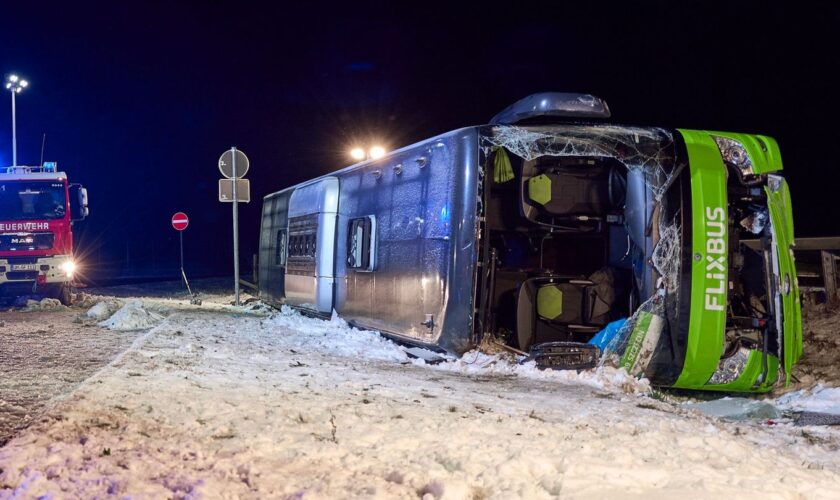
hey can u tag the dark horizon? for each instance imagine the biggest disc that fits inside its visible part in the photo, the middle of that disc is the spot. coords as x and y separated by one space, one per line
138 103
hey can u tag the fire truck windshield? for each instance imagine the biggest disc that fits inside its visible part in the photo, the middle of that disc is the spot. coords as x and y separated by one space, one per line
26 200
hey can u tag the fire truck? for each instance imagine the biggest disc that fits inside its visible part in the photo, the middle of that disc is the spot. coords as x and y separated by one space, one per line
37 210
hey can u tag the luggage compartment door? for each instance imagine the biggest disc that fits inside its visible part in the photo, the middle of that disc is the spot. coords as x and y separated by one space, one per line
310 269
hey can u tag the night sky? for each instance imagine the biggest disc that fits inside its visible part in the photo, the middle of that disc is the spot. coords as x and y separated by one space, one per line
138 103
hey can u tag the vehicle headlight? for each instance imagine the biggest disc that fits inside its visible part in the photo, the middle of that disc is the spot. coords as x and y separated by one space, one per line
734 154
69 267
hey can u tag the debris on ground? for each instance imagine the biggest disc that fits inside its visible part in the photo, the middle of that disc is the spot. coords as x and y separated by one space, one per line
735 408
820 363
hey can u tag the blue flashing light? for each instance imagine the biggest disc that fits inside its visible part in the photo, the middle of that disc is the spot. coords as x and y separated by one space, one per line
444 214
50 166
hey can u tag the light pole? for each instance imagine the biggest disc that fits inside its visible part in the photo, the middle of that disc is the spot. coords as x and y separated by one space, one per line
15 85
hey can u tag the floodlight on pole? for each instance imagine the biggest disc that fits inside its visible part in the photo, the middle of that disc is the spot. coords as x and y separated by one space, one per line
15 84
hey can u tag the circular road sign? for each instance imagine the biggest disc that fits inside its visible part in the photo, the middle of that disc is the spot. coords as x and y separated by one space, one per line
180 221
226 164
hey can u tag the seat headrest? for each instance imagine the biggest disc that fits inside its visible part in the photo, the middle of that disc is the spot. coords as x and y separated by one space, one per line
539 189
549 302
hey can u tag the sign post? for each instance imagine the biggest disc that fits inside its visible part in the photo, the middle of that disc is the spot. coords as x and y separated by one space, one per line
233 164
180 222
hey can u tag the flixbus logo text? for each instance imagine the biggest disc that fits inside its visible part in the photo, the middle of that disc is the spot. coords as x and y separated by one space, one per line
716 251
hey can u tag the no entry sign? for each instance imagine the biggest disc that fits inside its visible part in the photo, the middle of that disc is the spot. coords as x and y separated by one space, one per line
180 221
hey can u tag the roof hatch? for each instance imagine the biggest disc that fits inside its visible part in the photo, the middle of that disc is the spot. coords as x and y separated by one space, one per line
553 104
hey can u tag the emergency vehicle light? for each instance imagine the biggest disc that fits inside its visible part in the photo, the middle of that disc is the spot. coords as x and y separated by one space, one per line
50 166
30 170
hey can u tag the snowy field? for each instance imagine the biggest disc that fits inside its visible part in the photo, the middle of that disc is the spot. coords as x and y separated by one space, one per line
214 401
44 356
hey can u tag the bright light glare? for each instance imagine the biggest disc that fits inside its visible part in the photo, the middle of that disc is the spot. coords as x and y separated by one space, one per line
69 267
357 153
377 152
16 84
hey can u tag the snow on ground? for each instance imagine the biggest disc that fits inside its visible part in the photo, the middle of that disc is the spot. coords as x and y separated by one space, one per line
44 357
818 399
231 404
604 377
322 335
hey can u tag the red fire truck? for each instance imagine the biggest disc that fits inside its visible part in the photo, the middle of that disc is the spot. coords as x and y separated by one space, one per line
37 211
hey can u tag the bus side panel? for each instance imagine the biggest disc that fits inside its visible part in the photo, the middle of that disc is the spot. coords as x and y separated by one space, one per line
457 335
415 197
273 238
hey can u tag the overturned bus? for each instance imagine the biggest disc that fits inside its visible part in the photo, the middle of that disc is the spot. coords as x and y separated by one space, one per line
552 227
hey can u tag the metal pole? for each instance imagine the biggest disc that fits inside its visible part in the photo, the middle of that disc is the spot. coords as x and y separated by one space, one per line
184 274
14 132
181 235
235 231
829 269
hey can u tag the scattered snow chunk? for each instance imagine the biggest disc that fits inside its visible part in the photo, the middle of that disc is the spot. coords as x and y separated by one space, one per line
132 316
819 399
85 300
102 310
43 305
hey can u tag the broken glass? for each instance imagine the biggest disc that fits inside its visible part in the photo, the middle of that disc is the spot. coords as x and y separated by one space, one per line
730 368
646 149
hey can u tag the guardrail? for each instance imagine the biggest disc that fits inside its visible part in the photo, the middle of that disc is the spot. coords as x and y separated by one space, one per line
816 266
248 284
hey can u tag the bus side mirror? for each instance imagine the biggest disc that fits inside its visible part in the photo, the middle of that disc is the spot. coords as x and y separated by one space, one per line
78 202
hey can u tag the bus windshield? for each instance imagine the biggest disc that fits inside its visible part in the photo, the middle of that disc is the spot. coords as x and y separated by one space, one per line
21 200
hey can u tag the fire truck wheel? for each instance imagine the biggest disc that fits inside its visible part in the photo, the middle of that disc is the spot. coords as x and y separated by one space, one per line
62 293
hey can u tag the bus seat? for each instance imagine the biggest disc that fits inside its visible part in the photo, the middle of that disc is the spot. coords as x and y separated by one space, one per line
565 306
570 191
560 302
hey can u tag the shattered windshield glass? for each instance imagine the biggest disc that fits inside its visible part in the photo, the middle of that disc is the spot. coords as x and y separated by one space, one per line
32 200
646 149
